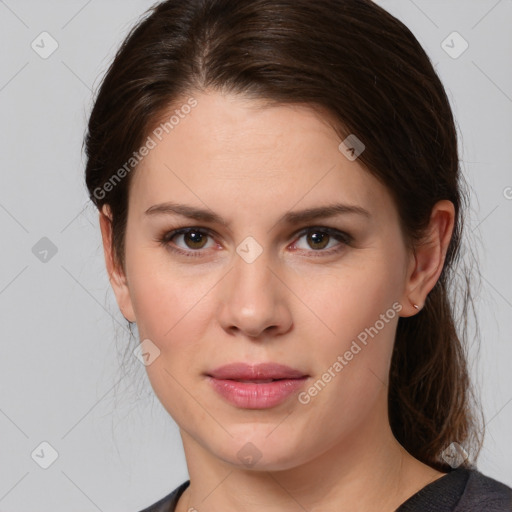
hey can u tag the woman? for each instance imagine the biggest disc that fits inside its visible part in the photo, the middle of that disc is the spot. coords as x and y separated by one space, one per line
281 209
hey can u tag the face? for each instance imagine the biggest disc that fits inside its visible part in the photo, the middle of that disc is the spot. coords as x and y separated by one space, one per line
252 283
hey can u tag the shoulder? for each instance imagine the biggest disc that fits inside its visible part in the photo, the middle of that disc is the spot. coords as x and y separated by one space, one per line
479 493
168 503
484 493
464 489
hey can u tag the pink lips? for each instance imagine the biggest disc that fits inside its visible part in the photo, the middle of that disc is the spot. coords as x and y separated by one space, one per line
256 386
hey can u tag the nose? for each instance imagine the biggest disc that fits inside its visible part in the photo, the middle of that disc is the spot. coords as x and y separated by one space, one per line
254 300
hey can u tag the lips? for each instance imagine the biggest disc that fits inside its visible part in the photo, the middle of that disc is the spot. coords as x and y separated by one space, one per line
260 386
258 373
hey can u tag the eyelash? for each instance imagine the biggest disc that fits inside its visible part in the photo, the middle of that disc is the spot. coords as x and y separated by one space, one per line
165 240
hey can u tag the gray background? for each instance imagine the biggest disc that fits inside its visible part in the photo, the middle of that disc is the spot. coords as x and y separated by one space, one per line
60 375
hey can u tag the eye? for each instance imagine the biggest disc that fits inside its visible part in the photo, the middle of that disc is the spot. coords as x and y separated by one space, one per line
320 238
193 239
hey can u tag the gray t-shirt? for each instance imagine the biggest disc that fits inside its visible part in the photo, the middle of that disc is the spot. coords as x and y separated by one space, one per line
461 490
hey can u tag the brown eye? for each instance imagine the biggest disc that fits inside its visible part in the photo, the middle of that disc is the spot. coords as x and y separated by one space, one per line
318 240
195 239
322 241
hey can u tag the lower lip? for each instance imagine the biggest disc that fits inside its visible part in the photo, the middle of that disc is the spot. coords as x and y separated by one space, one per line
249 395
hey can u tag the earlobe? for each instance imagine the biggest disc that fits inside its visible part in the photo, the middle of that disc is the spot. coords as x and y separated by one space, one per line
116 274
427 261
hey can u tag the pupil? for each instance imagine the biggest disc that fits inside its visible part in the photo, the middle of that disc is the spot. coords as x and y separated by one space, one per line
317 238
195 238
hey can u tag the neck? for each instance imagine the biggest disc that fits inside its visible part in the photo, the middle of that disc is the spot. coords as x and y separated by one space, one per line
366 470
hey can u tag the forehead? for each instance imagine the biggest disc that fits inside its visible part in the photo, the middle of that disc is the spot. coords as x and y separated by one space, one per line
239 129
230 147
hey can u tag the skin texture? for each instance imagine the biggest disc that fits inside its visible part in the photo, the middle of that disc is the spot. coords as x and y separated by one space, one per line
251 164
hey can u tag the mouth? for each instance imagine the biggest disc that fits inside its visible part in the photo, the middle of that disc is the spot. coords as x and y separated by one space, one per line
256 373
256 386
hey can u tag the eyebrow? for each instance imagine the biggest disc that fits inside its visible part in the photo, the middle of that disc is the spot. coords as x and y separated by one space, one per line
296 217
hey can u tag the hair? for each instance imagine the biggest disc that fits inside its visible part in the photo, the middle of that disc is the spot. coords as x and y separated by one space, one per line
363 67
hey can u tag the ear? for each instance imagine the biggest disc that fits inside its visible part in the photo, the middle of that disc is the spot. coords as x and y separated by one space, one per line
427 261
116 274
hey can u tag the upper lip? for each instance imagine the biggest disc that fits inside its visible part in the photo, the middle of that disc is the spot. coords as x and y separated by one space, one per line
245 371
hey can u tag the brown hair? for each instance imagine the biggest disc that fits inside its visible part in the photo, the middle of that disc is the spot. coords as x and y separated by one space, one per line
355 61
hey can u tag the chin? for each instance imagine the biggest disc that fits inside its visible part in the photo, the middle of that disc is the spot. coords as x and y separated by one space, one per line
256 451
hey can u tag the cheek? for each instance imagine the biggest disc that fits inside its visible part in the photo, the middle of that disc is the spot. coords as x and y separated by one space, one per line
157 305
354 298
163 296
172 312
359 308
352 366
